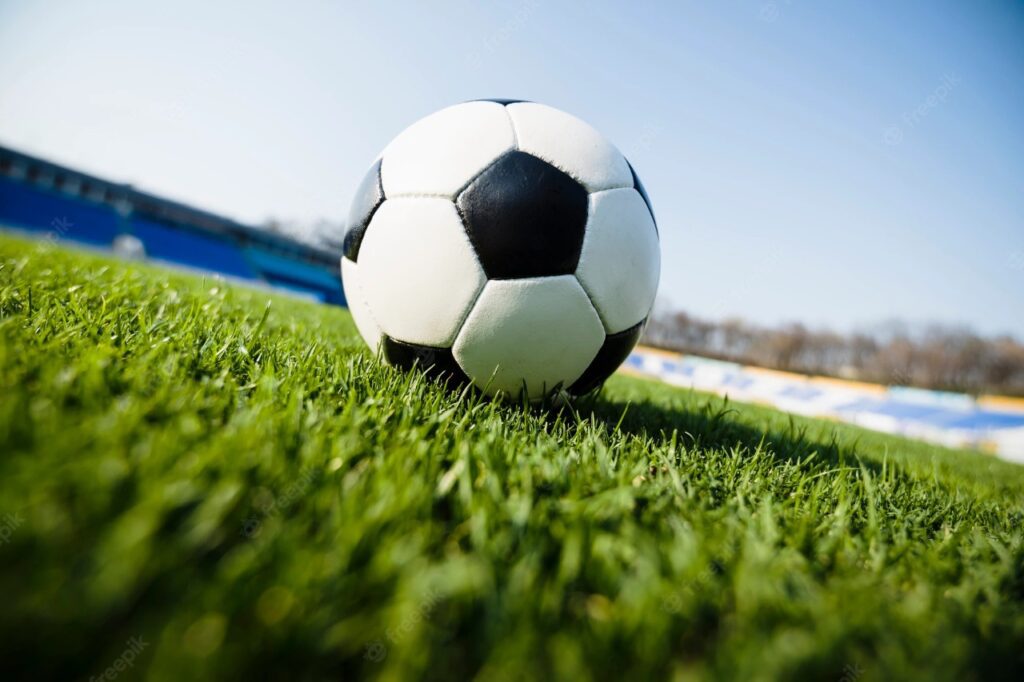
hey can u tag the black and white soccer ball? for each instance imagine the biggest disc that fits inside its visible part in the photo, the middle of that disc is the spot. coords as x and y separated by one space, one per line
504 243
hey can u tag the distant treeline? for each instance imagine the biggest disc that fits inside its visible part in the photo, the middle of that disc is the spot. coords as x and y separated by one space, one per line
932 356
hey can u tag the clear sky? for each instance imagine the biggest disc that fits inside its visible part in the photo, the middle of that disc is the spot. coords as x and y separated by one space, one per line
834 163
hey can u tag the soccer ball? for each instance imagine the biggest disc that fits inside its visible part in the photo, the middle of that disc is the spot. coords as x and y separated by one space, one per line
503 243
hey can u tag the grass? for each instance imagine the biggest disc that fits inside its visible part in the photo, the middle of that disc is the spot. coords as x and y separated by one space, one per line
198 481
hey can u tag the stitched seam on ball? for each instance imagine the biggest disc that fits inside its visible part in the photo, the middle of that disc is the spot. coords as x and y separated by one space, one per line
462 216
472 244
609 189
419 195
604 328
369 311
573 175
515 133
465 316
590 300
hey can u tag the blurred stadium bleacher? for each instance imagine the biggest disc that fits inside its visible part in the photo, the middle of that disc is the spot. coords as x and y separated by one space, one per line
988 423
54 201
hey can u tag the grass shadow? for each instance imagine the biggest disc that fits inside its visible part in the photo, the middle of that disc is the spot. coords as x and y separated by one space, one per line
708 422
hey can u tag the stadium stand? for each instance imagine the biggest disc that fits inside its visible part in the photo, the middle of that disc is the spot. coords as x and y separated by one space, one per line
989 423
50 200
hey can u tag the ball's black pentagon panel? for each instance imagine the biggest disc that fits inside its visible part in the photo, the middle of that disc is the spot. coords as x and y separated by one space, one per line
369 197
503 102
639 187
437 363
615 350
525 218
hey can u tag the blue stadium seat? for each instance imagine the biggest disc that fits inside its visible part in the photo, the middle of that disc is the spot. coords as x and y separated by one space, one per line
192 249
800 393
296 275
67 216
985 420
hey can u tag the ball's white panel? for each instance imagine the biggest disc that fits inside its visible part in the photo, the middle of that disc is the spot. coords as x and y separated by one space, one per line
621 262
570 144
418 271
539 332
439 154
365 323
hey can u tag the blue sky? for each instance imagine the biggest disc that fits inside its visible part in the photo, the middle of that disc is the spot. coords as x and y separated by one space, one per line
834 163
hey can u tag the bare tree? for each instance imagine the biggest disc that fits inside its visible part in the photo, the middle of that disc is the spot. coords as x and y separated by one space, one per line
935 356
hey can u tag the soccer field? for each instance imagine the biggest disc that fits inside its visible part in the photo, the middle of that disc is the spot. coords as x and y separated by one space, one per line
200 481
